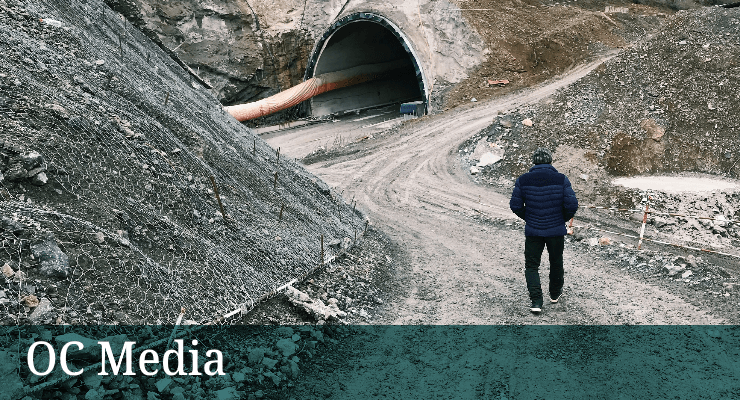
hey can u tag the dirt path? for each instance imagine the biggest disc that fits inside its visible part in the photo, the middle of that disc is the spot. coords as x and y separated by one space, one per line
462 270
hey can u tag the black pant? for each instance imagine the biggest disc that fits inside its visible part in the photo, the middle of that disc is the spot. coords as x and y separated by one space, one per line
533 246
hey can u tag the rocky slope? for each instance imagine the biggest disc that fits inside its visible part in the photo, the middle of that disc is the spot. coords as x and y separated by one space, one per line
111 153
667 104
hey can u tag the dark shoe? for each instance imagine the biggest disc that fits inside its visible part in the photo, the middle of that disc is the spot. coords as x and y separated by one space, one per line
554 299
536 307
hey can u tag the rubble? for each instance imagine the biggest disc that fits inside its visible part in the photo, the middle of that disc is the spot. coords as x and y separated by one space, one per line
316 307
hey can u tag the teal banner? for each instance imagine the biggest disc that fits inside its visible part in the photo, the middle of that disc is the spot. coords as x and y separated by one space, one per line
369 362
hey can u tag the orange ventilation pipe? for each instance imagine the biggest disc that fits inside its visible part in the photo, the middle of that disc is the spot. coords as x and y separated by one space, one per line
315 86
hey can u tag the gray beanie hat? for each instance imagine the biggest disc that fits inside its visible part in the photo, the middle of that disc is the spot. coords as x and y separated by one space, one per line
542 156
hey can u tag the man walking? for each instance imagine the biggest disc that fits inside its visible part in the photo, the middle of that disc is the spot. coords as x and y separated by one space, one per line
545 200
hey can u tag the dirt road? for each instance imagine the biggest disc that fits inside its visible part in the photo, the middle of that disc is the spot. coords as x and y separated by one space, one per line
462 269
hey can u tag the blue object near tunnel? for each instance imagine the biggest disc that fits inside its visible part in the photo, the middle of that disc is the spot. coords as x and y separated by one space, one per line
417 108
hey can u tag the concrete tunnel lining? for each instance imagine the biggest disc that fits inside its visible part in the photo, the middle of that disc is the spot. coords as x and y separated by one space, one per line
366 38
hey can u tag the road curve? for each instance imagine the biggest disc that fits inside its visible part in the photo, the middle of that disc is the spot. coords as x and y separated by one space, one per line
464 271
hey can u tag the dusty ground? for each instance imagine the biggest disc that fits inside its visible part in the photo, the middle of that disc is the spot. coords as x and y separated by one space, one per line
467 270
462 253
532 41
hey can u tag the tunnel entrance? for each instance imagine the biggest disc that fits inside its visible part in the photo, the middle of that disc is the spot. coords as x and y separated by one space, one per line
366 40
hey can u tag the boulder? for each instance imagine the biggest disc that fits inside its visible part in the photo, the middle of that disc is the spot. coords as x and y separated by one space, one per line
673 269
42 312
287 347
54 263
488 159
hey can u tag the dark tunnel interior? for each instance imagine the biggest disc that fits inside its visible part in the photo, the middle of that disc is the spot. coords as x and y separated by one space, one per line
361 43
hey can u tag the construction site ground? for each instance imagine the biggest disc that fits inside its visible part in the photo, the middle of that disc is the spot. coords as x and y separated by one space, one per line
453 255
461 248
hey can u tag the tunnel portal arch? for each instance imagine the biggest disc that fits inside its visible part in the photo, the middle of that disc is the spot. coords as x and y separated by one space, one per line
366 38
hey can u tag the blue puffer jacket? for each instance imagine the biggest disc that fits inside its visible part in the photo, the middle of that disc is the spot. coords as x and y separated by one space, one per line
544 199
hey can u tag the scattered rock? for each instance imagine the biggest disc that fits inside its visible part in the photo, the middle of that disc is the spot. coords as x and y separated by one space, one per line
269 362
604 241
30 301
54 263
315 307
527 122
673 269
32 160
8 270
40 179
687 274
11 383
43 311
287 347
474 170
488 159
593 241
229 393
255 355
163 384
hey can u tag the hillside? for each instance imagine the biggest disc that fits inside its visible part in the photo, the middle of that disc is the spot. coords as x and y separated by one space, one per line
665 105
109 213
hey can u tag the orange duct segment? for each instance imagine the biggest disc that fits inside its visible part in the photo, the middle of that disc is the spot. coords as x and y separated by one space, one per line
314 87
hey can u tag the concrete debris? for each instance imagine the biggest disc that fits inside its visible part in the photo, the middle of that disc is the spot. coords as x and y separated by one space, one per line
488 159
238 377
32 160
13 226
90 350
498 82
687 274
593 241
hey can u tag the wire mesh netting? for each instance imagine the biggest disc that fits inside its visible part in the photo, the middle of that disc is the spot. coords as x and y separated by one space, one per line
109 213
